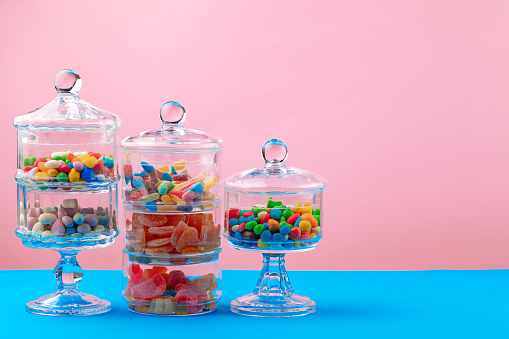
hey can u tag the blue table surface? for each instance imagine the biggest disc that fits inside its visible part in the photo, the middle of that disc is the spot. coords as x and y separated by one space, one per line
415 304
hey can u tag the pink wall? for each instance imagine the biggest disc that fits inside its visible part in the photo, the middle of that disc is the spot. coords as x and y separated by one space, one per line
402 105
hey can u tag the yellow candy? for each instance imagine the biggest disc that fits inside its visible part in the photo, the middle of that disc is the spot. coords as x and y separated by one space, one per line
307 208
179 165
42 166
305 226
309 217
52 172
164 168
166 208
209 183
74 175
165 198
317 230
296 209
90 162
41 176
312 235
82 157
186 183
262 244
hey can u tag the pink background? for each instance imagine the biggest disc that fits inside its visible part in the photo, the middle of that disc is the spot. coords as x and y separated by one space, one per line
401 105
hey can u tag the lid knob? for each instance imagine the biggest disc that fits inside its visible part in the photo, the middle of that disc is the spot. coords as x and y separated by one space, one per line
172 113
274 152
67 81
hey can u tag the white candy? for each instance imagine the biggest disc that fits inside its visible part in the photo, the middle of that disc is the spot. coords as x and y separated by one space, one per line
46 234
262 214
52 164
38 228
99 228
47 218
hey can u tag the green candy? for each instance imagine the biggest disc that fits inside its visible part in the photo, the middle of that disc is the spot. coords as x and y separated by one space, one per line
258 220
57 157
282 223
258 229
171 185
257 210
317 217
282 219
271 203
287 214
62 177
317 211
67 162
29 161
251 224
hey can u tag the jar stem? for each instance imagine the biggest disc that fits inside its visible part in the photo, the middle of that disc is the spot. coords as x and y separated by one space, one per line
273 281
68 271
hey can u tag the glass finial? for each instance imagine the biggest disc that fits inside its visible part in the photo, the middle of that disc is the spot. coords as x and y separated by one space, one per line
67 81
172 113
274 152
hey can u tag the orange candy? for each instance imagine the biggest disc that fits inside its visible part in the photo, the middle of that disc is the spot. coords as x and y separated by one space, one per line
273 222
70 157
189 250
309 217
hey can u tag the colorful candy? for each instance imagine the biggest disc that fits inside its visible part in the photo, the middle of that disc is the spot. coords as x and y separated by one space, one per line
69 167
274 226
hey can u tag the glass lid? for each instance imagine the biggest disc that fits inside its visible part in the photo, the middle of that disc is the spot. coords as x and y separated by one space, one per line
173 136
67 111
274 178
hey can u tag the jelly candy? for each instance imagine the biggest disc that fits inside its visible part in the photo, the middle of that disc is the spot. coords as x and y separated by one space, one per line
209 234
196 221
161 231
159 249
152 219
188 238
175 219
149 289
135 240
177 232
158 242
176 277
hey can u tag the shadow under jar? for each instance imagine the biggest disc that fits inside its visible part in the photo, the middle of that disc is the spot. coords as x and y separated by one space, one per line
67 189
172 217
273 210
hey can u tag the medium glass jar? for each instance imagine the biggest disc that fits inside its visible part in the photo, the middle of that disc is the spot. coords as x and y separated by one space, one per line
67 184
273 210
170 193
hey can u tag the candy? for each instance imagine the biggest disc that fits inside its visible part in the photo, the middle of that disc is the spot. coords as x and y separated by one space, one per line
150 289
135 240
87 174
295 233
293 218
305 226
58 227
90 162
84 228
151 220
266 236
52 164
163 188
74 175
159 249
161 231
38 228
158 242
177 232
78 165
62 177
258 229
188 238
91 219
41 176
47 218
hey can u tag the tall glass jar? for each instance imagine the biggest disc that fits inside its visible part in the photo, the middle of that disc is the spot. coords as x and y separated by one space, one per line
274 210
67 189
172 217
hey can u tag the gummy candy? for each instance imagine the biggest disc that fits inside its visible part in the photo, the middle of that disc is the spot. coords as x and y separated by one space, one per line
135 240
158 242
152 219
175 219
209 234
149 289
188 238
176 277
161 231
196 221
177 232
159 249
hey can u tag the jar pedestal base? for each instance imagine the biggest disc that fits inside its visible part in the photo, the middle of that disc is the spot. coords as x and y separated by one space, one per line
68 302
278 306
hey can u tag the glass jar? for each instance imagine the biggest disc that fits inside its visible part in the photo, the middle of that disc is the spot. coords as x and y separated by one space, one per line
273 210
67 177
170 193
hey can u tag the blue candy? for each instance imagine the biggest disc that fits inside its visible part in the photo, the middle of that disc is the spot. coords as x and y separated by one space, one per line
70 230
284 230
138 183
297 222
238 235
146 167
108 162
266 236
70 165
151 206
197 188
233 222
143 174
166 176
184 208
288 244
87 174
275 214
277 237
266 226
251 218
173 172
232 234
242 220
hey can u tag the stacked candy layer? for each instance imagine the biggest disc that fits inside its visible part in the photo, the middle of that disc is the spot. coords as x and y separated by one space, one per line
158 234
155 290
274 225
165 189
69 167
68 219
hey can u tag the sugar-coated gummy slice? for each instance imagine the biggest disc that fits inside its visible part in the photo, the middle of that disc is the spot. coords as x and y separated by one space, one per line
196 221
135 273
161 231
150 272
187 239
135 240
151 220
209 234
158 242
150 289
137 224
177 232
206 282
159 249
175 219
